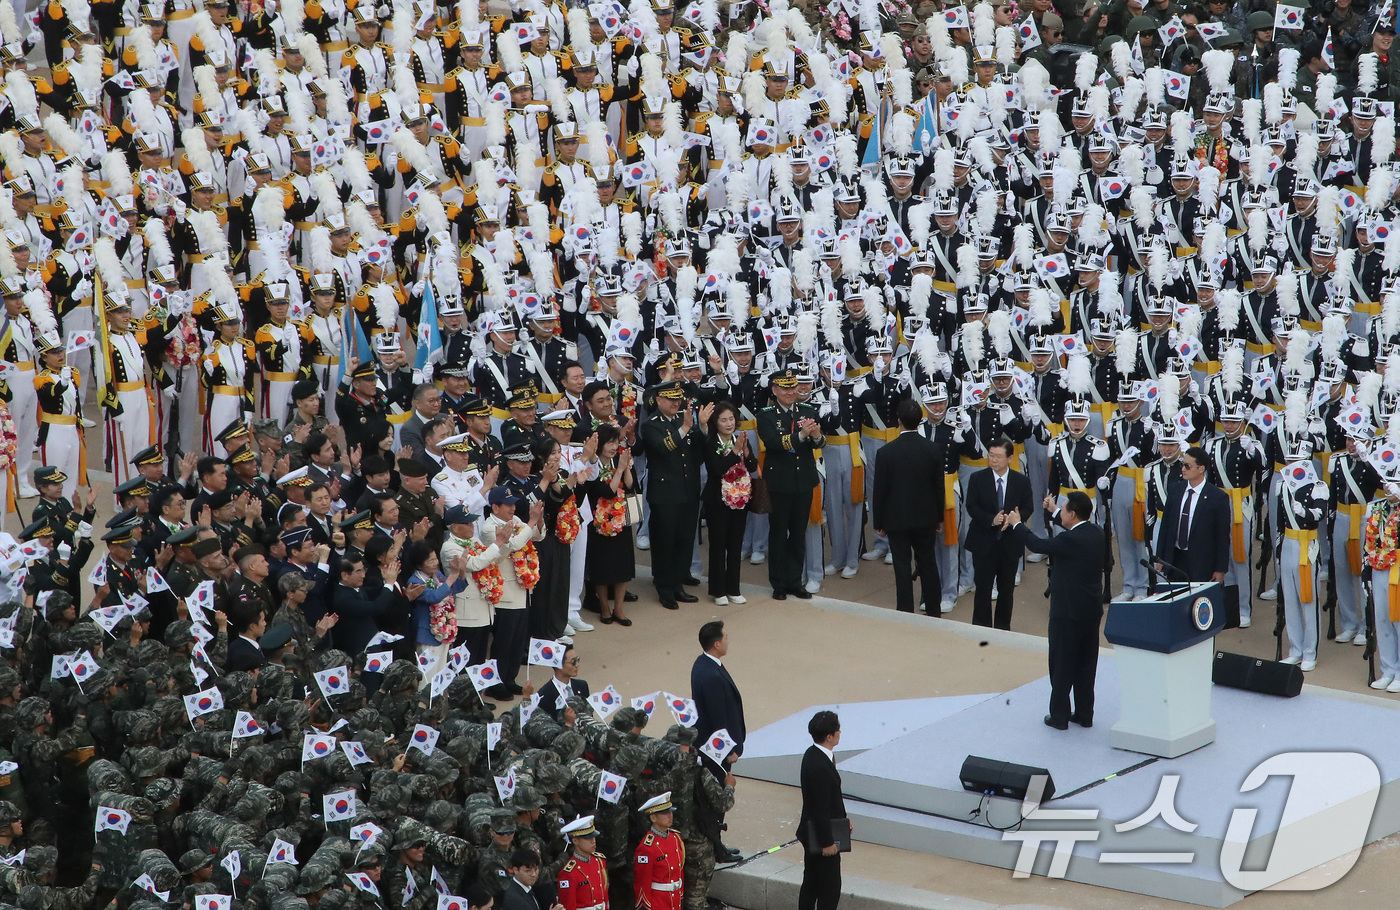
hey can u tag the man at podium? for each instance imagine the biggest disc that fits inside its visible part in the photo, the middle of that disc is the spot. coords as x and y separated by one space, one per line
1076 606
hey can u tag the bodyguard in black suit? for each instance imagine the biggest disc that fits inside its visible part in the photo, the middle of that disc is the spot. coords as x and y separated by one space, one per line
564 682
990 494
907 507
821 802
1076 607
1203 551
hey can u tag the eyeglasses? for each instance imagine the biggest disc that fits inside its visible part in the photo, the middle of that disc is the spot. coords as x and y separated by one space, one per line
573 662
1053 33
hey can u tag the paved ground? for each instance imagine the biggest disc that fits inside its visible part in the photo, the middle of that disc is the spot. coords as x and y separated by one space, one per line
788 655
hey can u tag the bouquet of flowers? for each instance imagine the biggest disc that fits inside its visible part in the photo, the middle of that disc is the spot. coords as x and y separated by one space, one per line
566 525
442 616
9 439
611 516
488 580
183 347
736 487
527 566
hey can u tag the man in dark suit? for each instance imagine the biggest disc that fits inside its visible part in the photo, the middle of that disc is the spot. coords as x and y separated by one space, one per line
427 404
565 682
360 617
907 507
790 434
718 704
1076 606
990 495
521 893
1194 533
821 802
247 622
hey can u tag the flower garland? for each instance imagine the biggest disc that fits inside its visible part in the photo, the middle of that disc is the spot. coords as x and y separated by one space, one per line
629 401
736 488
488 580
568 522
184 345
527 565
1382 537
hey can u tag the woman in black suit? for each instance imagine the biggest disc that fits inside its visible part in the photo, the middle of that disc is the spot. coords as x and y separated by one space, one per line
725 447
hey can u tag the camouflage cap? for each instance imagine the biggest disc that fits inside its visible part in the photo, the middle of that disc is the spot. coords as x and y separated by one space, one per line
315 877
163 792
146 761
30 713
179 634
442 815
58 602
401 676
142 726
551 777
9 812
681 736
628 719
629 760
411 833
371 854
192 861
40 860
503 821
526 799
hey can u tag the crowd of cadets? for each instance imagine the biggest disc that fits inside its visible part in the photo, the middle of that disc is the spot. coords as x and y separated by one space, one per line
357 304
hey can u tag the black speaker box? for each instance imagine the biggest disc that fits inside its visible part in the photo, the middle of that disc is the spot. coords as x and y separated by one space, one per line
1002 778
1254 674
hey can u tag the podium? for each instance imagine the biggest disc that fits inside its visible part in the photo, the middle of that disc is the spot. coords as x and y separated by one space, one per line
1165 647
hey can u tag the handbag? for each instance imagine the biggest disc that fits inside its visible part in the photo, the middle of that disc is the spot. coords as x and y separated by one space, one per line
760 503
634 509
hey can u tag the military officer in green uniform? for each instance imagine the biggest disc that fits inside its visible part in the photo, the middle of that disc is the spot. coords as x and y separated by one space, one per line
56 572
416 501
53 504
150 463
484 449
674 445
523 425
791 435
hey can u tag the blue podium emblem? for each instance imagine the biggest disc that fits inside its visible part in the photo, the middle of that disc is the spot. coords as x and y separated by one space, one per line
1203 613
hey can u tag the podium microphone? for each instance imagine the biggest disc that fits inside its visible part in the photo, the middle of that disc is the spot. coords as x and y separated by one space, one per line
1166 565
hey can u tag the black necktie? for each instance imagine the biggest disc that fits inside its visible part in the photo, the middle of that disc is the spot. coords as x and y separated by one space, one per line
1001 495
1183 527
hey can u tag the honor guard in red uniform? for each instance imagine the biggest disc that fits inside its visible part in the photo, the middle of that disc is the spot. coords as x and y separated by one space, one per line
657 867
583 882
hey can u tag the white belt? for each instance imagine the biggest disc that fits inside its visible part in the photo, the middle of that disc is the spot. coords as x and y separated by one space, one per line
593 907
665 886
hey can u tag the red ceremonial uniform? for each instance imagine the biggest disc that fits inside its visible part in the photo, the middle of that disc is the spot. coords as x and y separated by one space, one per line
657 871
583 883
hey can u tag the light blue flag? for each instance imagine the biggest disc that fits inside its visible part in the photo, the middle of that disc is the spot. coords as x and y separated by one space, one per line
873 147
926 130
429 336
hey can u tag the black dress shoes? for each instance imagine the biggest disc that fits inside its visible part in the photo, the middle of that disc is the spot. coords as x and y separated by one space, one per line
500 692
1057 724
691 580
1086 722
728 855
630 597
780 595
686 597
800 594
670 603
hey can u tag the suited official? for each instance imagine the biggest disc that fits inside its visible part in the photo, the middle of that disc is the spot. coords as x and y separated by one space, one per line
1203 551
821 802
907 507
718 704
1076 606
991 493
562 684
791 435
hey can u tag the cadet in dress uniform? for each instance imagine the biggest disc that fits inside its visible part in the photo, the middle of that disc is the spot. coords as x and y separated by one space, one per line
1299 516
1354 482
659 863
1237 466
125 397
279 349
1131 445
877 399
583 882
228 371
60 397
941 426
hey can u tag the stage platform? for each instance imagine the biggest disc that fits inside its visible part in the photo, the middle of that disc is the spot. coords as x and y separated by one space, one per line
900 762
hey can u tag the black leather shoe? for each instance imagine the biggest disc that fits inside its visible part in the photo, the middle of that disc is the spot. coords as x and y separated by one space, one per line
691 580
1058 725
733 856
630 597
800 594
670 603
500 692
780 595
686 597
1087 722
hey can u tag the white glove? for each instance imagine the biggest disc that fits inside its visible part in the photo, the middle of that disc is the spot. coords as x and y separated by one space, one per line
66 374
1007 415
418 288
64 551
1249 444
1102 483
1298 509
82 289
249 186
427 373
178 208
84 530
